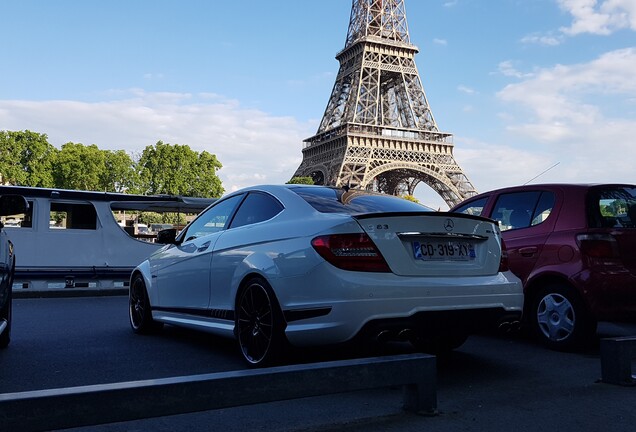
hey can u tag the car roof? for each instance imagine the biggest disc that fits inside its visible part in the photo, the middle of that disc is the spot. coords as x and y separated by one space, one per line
562 186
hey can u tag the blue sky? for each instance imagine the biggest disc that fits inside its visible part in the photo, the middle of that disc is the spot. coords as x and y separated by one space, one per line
523 85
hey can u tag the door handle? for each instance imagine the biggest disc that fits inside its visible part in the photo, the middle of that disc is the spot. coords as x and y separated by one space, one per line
528 251
203 247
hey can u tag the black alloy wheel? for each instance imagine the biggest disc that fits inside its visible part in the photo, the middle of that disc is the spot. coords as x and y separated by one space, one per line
5 318
7 310
259 324
139 308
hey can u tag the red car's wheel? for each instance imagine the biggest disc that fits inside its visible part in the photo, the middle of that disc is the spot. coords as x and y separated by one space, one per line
560 319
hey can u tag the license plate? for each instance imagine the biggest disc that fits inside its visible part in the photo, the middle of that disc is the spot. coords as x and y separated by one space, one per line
444 251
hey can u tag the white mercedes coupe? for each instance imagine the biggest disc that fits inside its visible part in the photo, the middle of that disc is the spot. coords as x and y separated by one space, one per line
311 265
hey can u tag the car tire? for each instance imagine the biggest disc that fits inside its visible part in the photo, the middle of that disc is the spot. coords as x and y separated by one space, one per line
7 311
140 312
259 324
5 315
560 320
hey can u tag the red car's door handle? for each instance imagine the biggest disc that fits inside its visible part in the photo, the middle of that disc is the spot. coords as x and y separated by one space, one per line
528 251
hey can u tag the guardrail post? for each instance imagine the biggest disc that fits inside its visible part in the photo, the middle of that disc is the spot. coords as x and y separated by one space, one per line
616 360
43 410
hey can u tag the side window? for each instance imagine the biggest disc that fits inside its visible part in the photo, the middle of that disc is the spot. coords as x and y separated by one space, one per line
516 210
214 219
474 208
543 209
72 216
257 207
22 220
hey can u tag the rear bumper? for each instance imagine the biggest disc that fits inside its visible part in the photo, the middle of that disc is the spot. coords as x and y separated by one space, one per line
610 295
364 303
435 323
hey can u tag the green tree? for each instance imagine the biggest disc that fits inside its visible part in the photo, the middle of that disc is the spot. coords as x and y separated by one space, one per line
206 183
26 159
80 167
301 180
120 172
178 170
168 217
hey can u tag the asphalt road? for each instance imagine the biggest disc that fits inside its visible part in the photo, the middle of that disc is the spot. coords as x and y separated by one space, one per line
491 383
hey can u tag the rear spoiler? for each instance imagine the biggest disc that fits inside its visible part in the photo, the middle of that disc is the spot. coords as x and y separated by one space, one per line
362 216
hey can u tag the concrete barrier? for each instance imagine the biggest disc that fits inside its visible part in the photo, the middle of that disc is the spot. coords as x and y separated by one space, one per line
106 403
616 360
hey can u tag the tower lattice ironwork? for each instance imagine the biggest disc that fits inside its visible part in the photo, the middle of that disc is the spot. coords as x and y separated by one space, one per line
378 131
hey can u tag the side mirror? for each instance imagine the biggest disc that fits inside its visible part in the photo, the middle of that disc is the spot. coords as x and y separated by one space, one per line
167 236
13 204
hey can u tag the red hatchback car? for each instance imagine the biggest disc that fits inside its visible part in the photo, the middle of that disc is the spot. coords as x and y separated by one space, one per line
574 248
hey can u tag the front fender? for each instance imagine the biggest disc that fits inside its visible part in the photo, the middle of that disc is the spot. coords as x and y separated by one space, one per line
144 270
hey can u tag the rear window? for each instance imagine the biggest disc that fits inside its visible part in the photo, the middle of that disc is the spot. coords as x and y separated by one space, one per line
612 206
332 200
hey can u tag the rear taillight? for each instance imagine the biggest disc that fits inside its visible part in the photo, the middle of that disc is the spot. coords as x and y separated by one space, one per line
598 245
355 252
503 261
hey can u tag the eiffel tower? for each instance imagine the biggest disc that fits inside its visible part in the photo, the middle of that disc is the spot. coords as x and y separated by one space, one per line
378 131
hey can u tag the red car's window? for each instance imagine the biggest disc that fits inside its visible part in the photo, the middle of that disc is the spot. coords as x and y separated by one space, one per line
612 207
523 209
475 207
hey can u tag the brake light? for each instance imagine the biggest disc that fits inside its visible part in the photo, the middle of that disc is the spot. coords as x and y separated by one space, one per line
355 252
503 261
598 245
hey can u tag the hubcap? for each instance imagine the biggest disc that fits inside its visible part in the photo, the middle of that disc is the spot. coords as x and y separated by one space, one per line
556 317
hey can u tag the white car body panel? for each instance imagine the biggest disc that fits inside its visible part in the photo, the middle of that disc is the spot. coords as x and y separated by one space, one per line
195 284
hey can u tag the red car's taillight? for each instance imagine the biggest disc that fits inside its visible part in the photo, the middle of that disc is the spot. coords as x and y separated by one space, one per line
599 246
503 261
355 252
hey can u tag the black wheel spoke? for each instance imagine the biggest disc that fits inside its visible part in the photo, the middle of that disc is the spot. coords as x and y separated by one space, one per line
139 308
255 323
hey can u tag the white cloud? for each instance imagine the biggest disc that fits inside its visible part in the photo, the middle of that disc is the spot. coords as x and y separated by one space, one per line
466 89
547 40
596 17
507 68
253 146
599 17
437 41
489 166
580 114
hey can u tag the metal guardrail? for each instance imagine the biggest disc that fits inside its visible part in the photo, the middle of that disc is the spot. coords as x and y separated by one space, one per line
616 360
106 403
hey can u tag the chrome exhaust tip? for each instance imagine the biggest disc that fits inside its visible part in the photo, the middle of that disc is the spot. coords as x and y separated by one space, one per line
383 336
405 335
